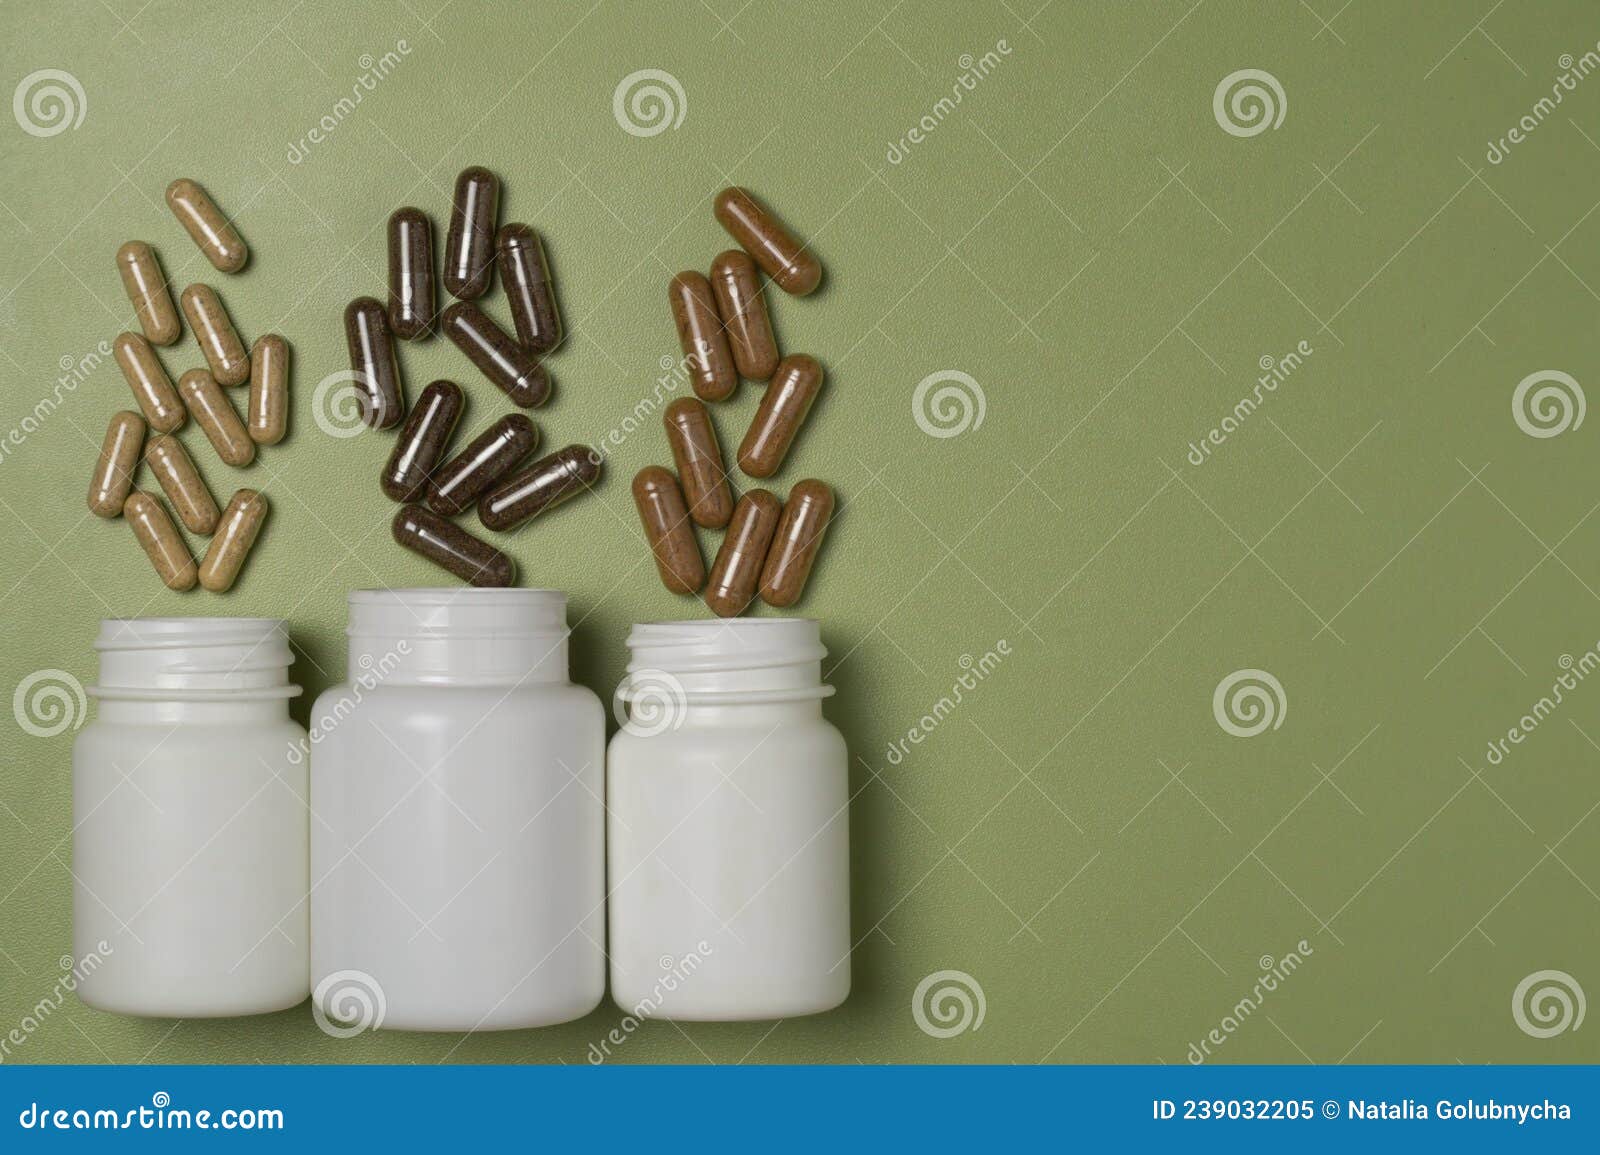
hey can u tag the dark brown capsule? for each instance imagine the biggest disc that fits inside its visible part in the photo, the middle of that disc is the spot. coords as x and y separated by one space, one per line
489 457
543 485
795 543
668 530
698 457
526 279
377 374
469 248
782 411
422 440
700 335
743 309
761 234
507 364
412 299
737 569
446 544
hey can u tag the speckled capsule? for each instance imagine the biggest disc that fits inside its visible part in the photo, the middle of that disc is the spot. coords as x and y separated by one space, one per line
182 483
148 379
512 369
668 530
469 247
766 238
119 461
422 440
147 291
372 361
412 299
526 279
698 457
806 517
447 545
743 309
541 487
214 413
700 336
160 539
486 459
267 414
205 223
236 533
737 568
783 410
219 341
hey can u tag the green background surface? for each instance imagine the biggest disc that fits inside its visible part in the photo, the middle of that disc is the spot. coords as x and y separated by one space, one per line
1079 836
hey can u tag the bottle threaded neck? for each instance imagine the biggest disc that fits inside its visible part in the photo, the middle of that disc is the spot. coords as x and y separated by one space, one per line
458 636
152 659
726 661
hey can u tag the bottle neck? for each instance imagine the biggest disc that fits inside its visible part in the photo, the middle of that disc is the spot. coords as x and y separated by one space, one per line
457 637
167 671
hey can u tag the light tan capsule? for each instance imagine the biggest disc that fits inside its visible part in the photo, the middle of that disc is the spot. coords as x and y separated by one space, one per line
147 289
148 379
795 542
236 533
219 341
782 411
269 390
737 569
160 539
119 461
214 413
203 221
182 483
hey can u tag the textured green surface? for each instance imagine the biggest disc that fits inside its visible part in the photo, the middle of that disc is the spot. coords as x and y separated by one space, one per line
1079 234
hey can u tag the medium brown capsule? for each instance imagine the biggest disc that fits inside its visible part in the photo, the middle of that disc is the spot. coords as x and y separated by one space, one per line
469 248
805 519
162 543
668 530
526 279
782 411
182 483
507 364
699 459
736 570
268 408
372 361
219 341
743 310
542 486
147 290
119 461
148 379
236 533
700 335
446 544
422 440
768 240
412 300
214 413
488 458
203 220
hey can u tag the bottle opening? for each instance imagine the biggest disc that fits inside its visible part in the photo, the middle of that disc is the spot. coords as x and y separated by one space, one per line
194 658
458 635
736 660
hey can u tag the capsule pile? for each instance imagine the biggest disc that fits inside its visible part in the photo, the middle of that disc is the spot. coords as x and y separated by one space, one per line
198 394
725 333
431 489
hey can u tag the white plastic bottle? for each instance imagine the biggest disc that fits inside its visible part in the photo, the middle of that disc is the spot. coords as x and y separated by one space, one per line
189 822
728 825
458 834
